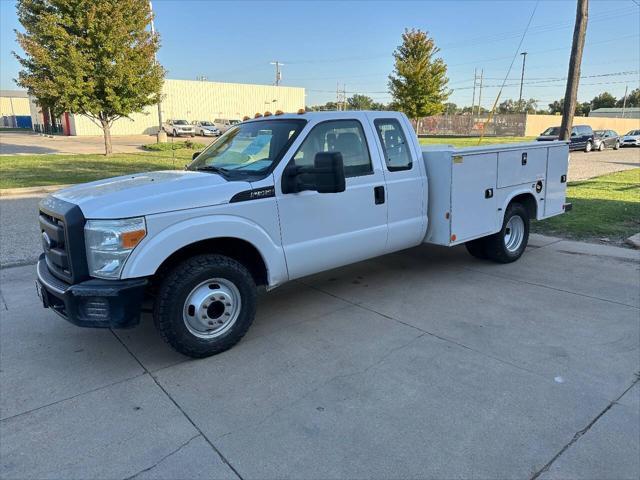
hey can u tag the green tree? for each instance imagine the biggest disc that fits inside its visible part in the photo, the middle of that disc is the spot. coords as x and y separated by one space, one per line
604 100
90 57
359 102
451 108
518 106
633 99
582 109
418 84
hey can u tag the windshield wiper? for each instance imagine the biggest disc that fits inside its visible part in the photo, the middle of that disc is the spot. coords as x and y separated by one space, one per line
212 168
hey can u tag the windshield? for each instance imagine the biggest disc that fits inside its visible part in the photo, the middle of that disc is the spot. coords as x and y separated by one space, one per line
206 124
552 131
180 122
633 133
249 148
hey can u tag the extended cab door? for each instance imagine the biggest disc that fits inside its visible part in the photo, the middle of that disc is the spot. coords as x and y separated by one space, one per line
405 179
326 230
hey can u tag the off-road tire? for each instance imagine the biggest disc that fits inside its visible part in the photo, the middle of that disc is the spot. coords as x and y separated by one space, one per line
495 244
176 286
477 248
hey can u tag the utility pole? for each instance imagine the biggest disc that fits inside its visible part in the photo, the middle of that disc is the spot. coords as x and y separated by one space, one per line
624 101
162 135
524 60
573 77
480 93
341 97
278 72
473 100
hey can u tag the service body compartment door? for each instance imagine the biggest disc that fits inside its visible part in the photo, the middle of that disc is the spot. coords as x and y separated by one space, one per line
556 184
473 200
516 167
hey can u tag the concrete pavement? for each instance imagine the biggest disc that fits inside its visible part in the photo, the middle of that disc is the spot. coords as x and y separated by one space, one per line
422 364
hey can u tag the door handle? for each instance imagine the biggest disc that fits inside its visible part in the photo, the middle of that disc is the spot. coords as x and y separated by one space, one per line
378 194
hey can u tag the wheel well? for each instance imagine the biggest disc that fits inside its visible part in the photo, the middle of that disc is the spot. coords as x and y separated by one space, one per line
529 202
240 250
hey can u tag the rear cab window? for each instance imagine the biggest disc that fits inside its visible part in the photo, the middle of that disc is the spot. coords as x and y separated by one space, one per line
394 144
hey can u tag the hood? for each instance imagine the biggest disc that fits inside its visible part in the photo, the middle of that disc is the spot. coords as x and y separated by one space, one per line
631 137
151 192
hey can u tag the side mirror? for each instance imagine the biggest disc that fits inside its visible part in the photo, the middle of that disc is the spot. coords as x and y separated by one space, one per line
195 154
326 175
329 171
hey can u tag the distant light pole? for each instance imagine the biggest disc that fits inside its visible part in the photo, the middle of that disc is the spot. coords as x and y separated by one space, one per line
524 59
162 136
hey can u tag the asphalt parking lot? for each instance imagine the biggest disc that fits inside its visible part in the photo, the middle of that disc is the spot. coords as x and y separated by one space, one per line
422 364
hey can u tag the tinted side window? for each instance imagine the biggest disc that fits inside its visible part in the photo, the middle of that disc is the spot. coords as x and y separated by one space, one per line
394 144
344 136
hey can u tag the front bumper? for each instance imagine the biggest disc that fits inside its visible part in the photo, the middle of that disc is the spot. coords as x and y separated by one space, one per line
93 303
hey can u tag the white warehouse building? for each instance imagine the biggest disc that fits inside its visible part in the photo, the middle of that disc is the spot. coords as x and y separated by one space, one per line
186 100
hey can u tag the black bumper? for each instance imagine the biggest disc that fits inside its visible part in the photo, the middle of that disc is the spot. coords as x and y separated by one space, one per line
93 303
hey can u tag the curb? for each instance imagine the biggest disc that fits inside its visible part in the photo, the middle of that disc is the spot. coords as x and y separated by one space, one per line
20 192
634 241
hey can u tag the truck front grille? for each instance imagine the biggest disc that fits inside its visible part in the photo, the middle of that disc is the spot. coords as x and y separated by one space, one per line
62 233
54 245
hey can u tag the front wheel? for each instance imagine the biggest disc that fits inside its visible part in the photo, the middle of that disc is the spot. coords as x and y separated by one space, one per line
175 133
616 146
205 305
588 147
509 243
601 147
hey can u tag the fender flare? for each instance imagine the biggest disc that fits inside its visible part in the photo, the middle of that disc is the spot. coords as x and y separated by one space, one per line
159 245
519 191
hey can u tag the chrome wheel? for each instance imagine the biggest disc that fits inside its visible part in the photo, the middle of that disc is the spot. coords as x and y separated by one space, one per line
514 233
212 308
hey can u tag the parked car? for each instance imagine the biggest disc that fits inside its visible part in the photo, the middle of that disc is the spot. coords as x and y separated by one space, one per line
206 129
631 139
179 127
605 139
282 197
582 137
225 124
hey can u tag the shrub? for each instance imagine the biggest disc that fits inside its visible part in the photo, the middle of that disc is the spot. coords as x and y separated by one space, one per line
164 147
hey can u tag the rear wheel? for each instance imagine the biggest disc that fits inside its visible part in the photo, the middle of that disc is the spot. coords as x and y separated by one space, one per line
477 248
205 305
588 147
509 243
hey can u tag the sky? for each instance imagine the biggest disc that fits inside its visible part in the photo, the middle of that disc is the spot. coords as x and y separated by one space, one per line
323 43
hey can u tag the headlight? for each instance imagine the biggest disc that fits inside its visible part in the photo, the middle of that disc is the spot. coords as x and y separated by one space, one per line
109 244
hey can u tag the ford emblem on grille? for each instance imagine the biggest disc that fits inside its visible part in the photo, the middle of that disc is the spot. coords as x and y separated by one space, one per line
46 241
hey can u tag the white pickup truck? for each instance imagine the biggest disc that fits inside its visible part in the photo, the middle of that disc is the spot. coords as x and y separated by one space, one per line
274 199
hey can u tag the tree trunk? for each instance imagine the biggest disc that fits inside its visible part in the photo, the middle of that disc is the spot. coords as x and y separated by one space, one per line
106 130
